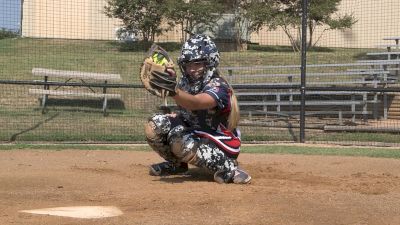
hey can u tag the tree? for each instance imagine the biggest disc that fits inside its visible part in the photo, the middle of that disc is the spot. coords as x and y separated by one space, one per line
321 13
140 17
252 15
249 16
286 14
5 33
191 15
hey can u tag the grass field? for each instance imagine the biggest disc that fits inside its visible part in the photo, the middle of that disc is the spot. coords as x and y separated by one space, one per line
81 120
19 56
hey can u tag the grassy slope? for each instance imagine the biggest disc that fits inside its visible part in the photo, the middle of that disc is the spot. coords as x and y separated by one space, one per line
20 113
19 56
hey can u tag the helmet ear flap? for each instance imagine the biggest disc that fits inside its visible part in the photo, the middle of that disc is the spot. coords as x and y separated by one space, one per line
182 67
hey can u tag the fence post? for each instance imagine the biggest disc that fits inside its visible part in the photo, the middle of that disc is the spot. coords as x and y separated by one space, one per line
303 68
230 77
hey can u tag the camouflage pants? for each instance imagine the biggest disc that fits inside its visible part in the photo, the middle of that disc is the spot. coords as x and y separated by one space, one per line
176 143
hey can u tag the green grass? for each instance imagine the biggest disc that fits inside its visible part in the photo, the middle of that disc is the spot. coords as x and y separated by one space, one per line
258 149
332 151
20 55
21 117
250 134
357 137
59 147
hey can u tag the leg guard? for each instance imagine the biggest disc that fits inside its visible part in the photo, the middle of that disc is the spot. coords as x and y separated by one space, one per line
200 152
215 159
156 130
184 147
169 137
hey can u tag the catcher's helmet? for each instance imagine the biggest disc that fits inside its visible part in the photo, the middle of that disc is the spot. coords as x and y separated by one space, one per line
199 48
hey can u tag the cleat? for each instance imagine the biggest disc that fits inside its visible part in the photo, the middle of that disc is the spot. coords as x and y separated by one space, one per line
167 168
238 177
241 177
222 177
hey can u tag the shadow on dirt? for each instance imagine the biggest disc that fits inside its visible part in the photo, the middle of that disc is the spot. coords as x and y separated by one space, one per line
193 175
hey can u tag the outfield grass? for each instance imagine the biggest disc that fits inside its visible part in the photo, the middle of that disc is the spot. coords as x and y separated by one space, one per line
256 149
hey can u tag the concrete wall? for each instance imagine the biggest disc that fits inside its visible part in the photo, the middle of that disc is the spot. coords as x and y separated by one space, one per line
84 19
71 19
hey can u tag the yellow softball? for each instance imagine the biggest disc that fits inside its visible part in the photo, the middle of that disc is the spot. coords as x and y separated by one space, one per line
159 59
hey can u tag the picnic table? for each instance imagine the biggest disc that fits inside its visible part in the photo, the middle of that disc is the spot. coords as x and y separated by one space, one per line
69 76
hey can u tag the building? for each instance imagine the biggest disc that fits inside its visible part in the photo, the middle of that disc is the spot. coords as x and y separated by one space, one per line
77 19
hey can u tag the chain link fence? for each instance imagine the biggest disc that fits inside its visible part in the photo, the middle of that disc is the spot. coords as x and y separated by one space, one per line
69 70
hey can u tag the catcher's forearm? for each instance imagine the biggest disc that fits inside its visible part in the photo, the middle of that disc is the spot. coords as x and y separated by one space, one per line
194 102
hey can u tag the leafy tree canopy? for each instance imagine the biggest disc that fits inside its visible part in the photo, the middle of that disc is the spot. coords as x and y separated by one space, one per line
140 17
191 15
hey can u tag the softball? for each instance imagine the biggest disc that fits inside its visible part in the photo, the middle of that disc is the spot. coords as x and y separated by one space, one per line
159 59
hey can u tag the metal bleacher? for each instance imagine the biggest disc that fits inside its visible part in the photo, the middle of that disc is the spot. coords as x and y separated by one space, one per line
273 91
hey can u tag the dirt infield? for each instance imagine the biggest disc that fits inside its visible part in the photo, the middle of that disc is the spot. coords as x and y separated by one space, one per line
286 189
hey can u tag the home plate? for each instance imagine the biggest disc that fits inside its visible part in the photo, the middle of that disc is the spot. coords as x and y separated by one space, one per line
85 212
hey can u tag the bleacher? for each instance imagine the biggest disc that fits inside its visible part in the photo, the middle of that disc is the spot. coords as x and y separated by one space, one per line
275 90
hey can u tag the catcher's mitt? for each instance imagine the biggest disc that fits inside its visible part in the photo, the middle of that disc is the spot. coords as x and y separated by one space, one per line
153 73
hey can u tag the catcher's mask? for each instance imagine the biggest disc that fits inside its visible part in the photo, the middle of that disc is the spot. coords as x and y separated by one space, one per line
198 48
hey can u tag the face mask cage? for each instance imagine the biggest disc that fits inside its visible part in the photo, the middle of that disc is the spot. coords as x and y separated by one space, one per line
183 66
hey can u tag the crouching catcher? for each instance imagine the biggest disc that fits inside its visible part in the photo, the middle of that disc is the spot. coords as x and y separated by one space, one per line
203 130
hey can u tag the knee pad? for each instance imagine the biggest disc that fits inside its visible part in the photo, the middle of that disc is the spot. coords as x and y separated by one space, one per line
157 128
185 148
158 142
175 133
149 130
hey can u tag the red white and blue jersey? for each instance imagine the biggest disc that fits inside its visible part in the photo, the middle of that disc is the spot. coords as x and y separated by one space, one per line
212 123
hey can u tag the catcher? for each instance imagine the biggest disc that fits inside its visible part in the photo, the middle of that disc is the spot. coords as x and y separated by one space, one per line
202 131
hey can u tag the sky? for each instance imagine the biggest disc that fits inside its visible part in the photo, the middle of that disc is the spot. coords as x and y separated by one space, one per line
10 14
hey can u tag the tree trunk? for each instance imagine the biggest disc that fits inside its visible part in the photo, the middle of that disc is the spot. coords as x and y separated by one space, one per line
291 39
182 32
145 36
153 36
237 34
311 29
